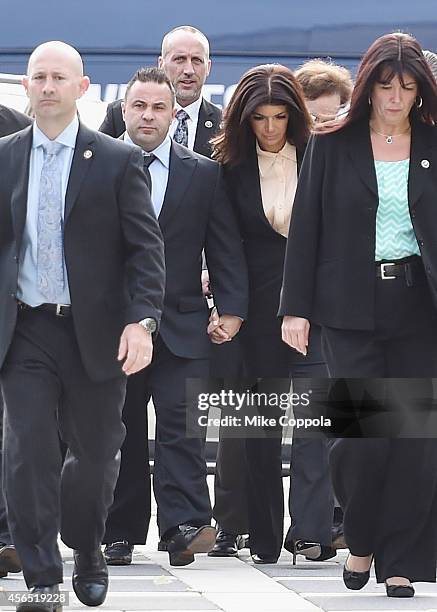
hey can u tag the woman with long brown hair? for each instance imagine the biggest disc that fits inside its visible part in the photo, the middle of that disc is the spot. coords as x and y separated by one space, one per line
362 263
261 145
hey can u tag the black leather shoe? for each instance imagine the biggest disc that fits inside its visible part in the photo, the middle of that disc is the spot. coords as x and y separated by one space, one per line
399 590
9 561
226 544
90 577
118 553
263 559
355 580
188 541
45 592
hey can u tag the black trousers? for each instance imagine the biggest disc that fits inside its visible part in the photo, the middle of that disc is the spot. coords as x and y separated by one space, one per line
47 391
387 486
5 536
230 494
179 479
310 477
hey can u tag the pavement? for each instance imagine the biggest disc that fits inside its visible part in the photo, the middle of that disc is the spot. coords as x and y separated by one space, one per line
234 585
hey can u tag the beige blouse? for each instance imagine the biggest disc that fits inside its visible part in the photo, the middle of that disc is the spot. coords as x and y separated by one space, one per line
278 178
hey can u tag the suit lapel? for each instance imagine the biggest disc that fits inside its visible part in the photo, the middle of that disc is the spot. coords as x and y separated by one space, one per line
360 151
420 161
20 163
182 166
206 128
84 153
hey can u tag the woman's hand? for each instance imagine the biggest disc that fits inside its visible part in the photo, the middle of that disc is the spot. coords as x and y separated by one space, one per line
295 333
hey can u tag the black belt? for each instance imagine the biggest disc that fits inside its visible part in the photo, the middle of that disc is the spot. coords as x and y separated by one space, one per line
60 310
411 270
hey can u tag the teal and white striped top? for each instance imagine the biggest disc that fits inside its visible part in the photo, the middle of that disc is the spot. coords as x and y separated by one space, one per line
395 236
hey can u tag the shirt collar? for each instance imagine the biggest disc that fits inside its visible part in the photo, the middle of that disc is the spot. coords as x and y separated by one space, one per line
192 109
67 137
288 151
162 151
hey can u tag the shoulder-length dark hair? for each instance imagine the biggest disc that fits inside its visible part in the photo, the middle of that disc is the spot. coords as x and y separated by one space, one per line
391 55
265 84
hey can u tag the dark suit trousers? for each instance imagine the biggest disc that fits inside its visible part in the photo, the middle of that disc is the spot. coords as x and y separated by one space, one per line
388 487
264 461
47 391
5 536
230 495
179 479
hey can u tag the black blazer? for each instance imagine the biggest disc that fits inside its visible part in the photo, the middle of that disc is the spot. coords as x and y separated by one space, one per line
329 275
12 120
208 124
112 243
197 215
265 252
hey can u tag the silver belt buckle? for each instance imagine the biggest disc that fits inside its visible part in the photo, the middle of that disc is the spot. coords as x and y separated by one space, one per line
58 310
384 274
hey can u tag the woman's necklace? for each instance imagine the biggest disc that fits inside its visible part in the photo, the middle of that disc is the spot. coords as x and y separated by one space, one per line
389 137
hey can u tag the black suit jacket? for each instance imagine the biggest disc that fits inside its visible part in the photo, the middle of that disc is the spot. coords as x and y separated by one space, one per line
12 120
265 251
197 215
112 243
207 125
329 275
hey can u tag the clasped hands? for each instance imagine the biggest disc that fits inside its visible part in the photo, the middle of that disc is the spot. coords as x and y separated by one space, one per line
222 328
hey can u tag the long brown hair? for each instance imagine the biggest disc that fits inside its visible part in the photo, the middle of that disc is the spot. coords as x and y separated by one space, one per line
391 55
265 84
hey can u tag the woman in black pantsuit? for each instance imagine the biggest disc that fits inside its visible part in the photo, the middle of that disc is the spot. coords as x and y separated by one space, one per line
261 147
362 263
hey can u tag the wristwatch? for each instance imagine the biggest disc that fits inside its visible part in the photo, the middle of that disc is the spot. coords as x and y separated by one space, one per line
149 324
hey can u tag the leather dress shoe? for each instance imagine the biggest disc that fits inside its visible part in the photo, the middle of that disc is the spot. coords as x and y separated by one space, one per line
227 544
9 561
118 553
38 606
90 577
188 541
263 559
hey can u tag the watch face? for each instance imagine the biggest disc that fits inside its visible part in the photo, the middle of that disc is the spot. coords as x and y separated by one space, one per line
149 324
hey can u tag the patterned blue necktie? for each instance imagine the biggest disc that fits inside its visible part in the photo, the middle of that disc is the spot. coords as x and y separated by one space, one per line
181 132
50 257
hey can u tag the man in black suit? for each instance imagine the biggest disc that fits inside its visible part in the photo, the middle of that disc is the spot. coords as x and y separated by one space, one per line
11 121
185 60
81 288
194 214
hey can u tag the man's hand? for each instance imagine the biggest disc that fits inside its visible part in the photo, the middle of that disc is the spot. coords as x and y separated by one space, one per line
295 333
137 347
222 328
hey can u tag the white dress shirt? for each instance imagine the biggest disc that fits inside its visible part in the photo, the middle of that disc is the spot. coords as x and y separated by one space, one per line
27 290
158 171
192 111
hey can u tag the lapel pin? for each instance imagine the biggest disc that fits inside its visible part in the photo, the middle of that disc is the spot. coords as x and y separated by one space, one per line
87 154
424 163
208 124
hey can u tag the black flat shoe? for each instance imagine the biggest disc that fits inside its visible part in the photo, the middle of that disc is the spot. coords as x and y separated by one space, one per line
355 580
399 590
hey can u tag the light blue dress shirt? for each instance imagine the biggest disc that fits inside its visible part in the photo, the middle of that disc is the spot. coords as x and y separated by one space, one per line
27 290
158 169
